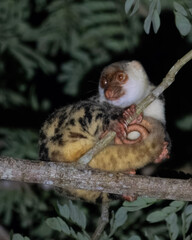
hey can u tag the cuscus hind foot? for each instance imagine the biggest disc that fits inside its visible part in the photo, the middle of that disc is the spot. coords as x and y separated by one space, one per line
130 198
164 154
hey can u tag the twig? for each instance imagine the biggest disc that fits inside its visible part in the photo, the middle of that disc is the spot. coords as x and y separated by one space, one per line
73 176
167 81
103 220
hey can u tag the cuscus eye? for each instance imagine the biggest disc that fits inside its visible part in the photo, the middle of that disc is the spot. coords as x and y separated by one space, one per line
122 77
104 82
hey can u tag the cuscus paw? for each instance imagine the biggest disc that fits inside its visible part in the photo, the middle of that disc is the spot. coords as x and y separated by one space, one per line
129 198
130 112
120 130
130 171
164 154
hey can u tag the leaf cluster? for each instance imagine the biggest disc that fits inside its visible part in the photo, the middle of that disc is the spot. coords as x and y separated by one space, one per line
19 143
71 215
133 221
64 39
182 11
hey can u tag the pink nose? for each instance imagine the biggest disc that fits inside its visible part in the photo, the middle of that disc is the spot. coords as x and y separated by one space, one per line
109 94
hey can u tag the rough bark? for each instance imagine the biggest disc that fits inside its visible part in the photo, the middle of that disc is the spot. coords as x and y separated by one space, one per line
80 176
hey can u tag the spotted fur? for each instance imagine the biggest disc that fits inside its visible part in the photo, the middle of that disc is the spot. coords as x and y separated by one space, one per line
71 131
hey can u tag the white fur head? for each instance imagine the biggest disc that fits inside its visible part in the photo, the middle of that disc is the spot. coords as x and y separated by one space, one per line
135 88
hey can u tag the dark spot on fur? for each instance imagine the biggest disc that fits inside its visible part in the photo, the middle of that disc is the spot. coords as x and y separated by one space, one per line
62 118
161 97
106 121
76 135
42 135
43 152
56 130
61 142
99 199
72 122
115 116
51 118
99 116
96 131
114 196
55 155
56 137
88 114
83 123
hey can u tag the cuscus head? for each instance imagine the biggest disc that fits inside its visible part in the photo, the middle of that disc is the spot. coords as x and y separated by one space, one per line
123 83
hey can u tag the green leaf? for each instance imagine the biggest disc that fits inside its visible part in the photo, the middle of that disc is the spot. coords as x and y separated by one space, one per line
120 216
80 236
140 203
128 5
180 9
168 210
156 238
18 236
156 21
185 123
134 238
119 219
172 226
156 216
186 219
188 237
147 23
136 7
64 210
177 204
105 237
77 216
182 23
152 7
158 6
58 224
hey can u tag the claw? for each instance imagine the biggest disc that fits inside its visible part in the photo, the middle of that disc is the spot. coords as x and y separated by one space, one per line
120 130
130 112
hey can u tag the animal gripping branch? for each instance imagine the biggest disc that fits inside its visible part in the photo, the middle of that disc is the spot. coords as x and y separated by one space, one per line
166 82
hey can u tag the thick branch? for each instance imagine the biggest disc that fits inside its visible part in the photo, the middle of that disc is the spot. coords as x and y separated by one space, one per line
70 176
167 81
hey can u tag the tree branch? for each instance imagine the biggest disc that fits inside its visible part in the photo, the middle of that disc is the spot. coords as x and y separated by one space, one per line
103 220
167 81
72 176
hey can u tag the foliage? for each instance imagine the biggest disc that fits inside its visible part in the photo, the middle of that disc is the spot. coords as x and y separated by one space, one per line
185 123
43 41
70 213
29 43
19 237
182 11
175 220
19 143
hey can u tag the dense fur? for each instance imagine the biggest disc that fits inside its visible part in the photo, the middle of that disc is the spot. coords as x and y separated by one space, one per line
71 131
